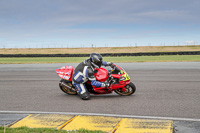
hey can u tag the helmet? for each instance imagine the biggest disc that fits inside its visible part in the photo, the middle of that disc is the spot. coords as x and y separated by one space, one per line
96 60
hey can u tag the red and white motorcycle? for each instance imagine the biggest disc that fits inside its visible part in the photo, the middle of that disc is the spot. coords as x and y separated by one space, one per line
117 77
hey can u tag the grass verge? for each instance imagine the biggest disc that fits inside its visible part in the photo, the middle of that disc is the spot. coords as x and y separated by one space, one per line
163 58
42 130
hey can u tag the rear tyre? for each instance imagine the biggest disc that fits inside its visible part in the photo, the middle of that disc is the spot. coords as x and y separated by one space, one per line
67 87
130 89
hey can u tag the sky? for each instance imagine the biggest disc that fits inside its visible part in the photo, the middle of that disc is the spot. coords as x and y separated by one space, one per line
98 23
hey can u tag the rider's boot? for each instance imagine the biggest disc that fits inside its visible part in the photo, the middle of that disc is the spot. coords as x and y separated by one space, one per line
84 96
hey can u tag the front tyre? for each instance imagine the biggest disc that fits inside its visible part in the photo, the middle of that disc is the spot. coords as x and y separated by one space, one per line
130 89
67 87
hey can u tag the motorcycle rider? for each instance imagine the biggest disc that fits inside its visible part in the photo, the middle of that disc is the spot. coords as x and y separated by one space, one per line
85 71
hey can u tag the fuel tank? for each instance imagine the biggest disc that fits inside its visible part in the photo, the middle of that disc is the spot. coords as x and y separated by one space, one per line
101 75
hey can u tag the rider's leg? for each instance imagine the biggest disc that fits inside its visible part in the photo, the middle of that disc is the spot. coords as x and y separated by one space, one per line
82 91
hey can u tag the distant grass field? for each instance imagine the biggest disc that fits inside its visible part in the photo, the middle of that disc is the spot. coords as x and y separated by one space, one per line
163 58
100 50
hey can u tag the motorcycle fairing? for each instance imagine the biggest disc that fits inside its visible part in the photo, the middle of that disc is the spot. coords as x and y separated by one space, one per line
126 76
65 72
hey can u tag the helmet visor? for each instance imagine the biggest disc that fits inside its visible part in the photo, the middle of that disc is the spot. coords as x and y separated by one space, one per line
98 63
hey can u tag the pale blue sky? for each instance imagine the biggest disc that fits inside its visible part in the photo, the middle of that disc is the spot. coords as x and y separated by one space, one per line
81 23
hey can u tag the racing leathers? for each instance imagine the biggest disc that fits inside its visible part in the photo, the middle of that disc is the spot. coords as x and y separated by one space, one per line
82 73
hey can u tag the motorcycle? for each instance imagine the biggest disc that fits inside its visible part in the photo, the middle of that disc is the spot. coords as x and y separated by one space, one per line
116 77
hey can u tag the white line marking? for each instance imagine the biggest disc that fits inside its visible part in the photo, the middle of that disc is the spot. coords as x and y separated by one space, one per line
96 114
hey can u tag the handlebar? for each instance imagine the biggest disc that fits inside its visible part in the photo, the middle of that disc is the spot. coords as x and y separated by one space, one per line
113 68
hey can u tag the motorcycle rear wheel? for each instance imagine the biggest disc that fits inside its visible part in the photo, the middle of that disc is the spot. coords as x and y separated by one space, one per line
67 87
130 89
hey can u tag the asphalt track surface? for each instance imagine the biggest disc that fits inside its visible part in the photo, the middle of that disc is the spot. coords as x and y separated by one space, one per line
170 89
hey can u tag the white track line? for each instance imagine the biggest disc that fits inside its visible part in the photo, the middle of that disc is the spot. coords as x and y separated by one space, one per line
96 114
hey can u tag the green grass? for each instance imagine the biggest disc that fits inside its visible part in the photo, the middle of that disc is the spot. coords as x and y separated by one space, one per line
164 58
42 130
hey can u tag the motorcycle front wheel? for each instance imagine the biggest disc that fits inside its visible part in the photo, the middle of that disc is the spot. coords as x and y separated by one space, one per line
67 87
130 89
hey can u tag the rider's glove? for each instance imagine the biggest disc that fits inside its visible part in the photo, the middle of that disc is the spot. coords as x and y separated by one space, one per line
110 64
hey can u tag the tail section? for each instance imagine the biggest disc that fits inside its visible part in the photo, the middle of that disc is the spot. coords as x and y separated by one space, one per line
65 72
